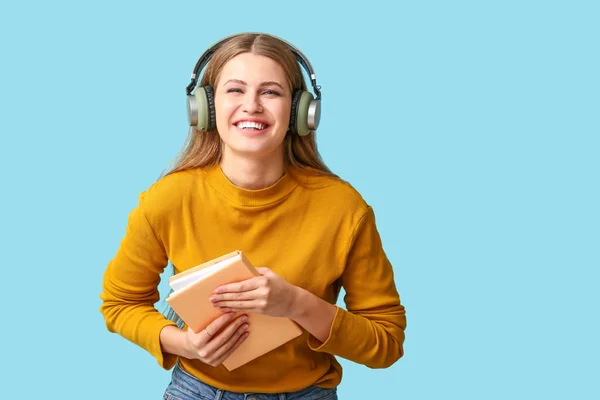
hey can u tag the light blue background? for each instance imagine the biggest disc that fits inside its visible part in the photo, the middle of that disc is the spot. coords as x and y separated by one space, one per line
471 127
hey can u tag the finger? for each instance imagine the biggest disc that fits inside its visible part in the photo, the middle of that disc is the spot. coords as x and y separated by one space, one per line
264 270
231 341
214 327
224 335
249 295
240 305
235 344
243 286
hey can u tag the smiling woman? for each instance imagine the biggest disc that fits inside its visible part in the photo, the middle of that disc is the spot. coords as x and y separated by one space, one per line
253 109
250 178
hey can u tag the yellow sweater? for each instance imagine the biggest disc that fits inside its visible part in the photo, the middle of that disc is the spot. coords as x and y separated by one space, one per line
316 232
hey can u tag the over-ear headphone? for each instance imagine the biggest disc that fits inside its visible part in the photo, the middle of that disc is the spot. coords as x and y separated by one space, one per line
306 109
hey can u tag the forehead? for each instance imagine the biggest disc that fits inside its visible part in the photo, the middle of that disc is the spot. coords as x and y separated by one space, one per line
253 69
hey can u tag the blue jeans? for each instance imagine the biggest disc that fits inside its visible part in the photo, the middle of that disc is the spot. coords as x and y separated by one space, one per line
184 386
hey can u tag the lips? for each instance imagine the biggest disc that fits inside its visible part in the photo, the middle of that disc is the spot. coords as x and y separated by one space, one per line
251 126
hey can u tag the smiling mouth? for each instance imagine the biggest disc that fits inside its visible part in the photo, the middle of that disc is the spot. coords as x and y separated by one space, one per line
251 126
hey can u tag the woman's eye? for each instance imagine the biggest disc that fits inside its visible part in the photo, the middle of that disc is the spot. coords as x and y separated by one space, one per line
272 92
267 92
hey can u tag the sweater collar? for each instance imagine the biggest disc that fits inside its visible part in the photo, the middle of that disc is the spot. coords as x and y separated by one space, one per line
248 197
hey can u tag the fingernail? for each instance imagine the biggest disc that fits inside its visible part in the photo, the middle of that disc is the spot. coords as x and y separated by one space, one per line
244 327
244 318
213 298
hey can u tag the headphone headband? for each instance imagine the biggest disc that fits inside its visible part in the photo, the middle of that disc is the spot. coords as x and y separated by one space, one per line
300 57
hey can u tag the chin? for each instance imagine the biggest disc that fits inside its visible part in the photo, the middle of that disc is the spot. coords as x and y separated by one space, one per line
253 149
256 144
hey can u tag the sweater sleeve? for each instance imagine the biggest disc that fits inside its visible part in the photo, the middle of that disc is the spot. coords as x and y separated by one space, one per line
371 330
130 287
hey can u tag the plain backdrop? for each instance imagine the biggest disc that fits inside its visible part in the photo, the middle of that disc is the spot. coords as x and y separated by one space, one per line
471 127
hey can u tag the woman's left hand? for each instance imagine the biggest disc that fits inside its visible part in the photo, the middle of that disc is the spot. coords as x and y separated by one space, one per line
267 294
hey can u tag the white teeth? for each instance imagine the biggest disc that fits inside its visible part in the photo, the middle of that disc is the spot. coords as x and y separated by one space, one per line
252 125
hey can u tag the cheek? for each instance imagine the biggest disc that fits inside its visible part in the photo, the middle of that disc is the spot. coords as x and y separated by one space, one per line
223 111
282 112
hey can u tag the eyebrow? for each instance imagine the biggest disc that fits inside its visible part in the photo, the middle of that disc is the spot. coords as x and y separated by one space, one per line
267 83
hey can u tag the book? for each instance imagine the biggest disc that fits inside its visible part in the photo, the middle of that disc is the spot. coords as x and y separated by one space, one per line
190 299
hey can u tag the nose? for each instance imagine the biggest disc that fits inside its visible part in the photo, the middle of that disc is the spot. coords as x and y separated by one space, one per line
252 103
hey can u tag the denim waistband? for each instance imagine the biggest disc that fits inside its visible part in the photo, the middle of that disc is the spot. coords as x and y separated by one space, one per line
184 386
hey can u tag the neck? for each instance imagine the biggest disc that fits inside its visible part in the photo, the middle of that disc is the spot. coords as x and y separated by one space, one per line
252 173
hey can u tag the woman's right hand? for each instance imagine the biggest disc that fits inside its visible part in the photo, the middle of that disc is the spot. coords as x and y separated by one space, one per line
215 343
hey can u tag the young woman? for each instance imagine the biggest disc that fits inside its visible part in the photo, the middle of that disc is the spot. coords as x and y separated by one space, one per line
250 178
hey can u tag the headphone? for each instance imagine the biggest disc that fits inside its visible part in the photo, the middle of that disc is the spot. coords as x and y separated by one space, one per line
306 109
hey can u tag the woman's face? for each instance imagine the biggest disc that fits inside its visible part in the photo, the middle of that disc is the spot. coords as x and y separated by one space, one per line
252 105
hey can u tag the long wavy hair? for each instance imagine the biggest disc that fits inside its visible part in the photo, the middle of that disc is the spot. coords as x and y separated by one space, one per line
202 149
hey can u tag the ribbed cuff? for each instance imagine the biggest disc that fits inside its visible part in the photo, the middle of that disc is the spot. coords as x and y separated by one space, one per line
329 344
165 360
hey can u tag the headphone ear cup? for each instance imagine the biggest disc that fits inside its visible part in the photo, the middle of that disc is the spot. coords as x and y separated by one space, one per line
212 118
294 111
303 105
201 109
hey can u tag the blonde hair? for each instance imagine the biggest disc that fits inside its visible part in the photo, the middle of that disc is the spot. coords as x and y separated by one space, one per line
203 149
